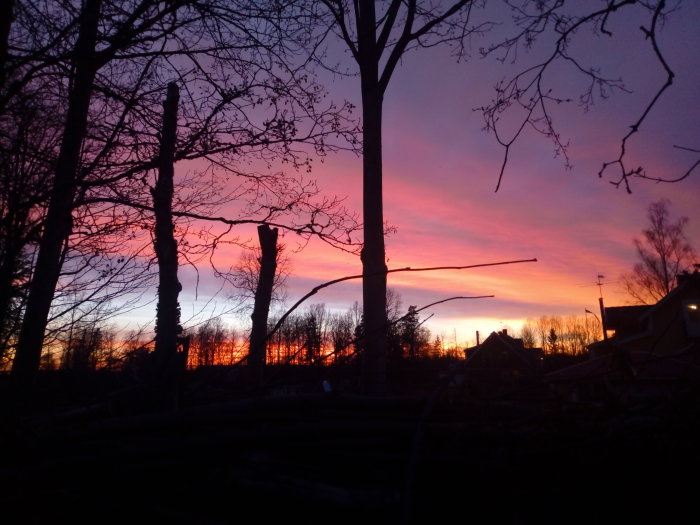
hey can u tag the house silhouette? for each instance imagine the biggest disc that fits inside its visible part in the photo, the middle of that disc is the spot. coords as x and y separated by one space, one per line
651 352
669 327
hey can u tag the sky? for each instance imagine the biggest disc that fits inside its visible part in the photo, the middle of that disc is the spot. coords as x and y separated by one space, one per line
441 171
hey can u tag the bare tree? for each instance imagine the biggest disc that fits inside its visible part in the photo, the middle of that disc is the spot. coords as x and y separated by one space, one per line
579 334
28 143
378 35
664 252
59 213
315 327
209 343
287 340
108 61
377 41
555 334
82 348
97 262
527 334
6 17
341 327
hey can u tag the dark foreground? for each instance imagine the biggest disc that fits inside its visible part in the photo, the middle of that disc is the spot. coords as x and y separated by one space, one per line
338 457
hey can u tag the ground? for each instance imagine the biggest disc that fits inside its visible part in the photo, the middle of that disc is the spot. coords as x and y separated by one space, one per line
317 456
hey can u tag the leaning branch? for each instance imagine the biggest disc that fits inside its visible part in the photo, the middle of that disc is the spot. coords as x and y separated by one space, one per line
356 339
316 289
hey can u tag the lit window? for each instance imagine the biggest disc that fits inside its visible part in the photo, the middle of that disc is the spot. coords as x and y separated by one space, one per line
691 316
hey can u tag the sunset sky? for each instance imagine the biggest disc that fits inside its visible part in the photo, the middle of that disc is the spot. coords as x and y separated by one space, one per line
441 171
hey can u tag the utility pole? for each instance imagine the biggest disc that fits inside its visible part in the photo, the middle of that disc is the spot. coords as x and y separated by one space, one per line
602 307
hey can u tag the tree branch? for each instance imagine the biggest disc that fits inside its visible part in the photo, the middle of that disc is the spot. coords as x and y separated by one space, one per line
316 289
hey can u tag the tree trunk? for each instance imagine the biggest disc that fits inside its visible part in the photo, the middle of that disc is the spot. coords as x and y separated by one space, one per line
5 24
10 261
59 217
167 367
373 251
257 352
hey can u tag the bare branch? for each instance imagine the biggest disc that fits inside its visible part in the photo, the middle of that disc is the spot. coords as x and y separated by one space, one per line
526 90
320 287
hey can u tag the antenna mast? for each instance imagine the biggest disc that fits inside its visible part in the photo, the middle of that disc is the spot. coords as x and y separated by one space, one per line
602 308
600 284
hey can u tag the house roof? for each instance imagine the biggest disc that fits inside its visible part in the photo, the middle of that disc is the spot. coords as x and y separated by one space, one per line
501 338
684 364
629 320
685 281
513 345
618 317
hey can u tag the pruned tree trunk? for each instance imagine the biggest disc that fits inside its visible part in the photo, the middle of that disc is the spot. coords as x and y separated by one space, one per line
373 252
167 366
59 217
267 237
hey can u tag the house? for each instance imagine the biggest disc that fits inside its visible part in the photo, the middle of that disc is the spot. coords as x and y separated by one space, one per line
624 320
501 351
501 363
651 352
668 327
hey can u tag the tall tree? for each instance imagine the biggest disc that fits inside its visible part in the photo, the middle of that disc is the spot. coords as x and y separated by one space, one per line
413 337
105 66
5 23
168 329
378 34
59 214
664 251
340 331
377 41
28 142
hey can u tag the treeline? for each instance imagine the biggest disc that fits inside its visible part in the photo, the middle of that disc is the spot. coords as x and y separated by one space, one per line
569 334
315 335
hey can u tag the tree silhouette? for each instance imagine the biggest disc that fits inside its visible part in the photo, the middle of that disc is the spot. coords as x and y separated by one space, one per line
168 364
560 334
28 143
257 354
377 41
103 67
378 35
59 214
6 16
664 252
414 338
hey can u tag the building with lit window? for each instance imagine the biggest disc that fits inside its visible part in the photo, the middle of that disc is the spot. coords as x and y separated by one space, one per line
669 327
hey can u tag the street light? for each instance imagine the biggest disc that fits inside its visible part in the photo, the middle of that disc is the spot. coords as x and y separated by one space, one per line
596 318
594 315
